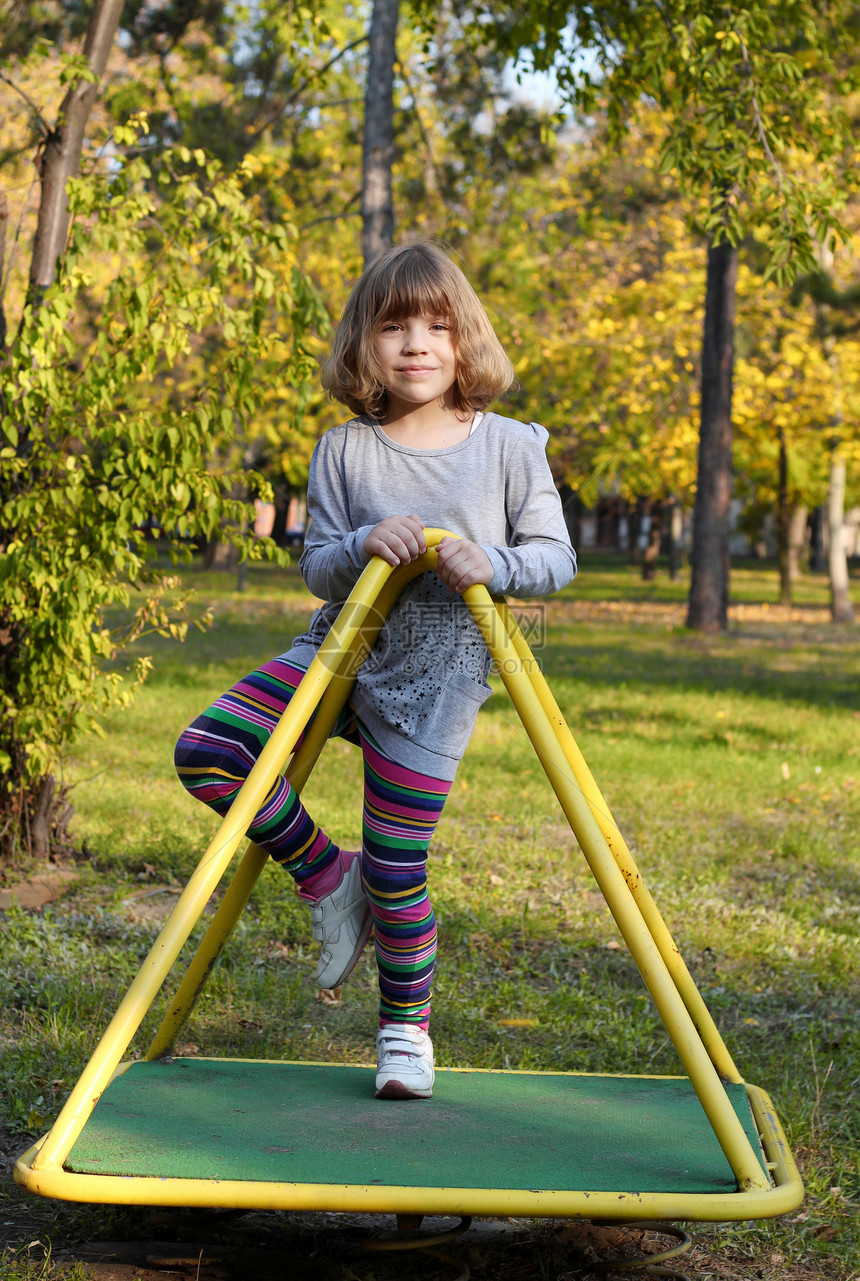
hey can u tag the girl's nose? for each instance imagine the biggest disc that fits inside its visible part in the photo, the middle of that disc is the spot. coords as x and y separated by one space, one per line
413 339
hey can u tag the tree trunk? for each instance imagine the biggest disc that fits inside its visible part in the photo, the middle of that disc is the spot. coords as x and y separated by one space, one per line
818 540
220 555
709 585
634 535
40 820
570 505
651 547
4 219
676 535
282 507
783 523
841 609
796 541
377 207
61 154
34 811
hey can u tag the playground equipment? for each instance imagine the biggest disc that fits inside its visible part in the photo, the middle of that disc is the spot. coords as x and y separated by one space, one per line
259 1135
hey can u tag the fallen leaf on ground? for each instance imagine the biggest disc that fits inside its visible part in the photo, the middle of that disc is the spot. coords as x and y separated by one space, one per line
330 995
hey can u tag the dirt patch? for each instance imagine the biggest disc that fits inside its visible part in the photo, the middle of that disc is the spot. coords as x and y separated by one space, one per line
38 890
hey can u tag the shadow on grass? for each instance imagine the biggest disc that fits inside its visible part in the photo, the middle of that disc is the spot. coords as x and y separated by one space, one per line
658 664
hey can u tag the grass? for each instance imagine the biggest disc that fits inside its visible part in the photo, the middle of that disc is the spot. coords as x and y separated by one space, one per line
22 1264
732 763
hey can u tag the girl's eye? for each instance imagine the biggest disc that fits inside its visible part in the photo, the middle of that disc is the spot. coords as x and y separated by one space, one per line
397 326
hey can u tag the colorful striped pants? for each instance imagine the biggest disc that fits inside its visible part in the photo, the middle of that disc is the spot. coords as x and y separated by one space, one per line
401 809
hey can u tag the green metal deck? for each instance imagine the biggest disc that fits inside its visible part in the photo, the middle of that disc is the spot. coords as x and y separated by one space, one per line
307 1123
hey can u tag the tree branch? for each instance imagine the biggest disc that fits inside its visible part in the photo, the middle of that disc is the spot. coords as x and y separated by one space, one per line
4 218
4 276
341 53
44 127
294 97
346 212
425 137
762 132
61 150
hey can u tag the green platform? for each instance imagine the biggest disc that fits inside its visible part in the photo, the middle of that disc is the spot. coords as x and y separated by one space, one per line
301 1123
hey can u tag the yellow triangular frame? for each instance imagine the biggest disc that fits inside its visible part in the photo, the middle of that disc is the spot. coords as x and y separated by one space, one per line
324 689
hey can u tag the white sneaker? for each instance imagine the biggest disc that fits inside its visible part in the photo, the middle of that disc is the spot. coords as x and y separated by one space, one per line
341 923
404 1059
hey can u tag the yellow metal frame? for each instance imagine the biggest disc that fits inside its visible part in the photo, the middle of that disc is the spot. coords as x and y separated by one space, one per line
324 689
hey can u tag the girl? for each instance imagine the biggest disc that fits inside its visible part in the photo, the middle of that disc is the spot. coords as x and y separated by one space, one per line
417 361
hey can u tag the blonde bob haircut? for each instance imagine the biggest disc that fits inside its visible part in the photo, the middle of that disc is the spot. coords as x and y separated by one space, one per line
415 280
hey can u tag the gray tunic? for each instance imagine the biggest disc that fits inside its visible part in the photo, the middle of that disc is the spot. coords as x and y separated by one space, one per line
419 691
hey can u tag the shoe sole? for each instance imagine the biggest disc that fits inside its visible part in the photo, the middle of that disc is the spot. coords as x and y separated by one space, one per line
397 1090
328 984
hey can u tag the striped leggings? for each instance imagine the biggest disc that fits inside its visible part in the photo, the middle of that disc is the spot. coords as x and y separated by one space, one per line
401 809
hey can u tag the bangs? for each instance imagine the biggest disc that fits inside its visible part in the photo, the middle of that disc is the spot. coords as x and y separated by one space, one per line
413 289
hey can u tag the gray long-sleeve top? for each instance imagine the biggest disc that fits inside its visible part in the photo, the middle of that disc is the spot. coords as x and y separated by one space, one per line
419 691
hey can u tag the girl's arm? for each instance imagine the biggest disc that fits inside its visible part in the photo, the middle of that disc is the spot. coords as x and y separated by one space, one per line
538 558
334 553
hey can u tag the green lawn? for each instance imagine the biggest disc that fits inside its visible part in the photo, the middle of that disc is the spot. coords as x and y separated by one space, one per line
732 764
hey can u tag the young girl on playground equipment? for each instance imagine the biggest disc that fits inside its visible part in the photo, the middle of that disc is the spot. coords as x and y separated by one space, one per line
416 359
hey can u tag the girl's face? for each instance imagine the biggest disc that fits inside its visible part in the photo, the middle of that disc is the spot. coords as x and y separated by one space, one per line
417 360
